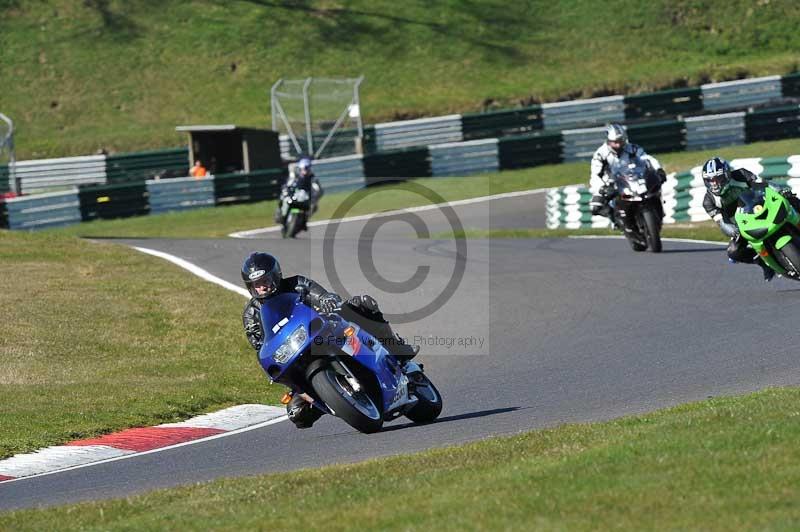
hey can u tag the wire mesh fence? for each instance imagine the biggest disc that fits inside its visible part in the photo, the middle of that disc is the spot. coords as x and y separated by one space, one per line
317 116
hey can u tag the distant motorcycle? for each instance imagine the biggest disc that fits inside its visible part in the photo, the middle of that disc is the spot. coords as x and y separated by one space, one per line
295 208
636 206
769 223
343 368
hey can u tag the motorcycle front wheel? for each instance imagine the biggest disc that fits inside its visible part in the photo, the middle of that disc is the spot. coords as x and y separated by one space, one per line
429 400
651 230
789 257
356 408
291 225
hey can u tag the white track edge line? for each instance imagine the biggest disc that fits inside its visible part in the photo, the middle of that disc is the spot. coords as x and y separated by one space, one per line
200 272
152 451
456 203
667 239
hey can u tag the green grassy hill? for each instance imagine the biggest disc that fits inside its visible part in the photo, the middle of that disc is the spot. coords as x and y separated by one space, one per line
78 76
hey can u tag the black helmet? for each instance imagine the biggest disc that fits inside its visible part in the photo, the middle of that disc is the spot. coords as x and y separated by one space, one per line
261 269
616 137
716 175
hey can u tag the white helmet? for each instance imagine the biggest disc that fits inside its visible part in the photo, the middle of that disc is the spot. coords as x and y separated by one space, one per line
616 137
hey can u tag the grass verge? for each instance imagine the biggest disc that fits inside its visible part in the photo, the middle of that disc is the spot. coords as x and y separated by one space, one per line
97 337
220 221
720 464
122 75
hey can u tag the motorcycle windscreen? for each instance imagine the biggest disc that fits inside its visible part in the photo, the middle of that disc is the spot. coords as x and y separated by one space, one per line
751 200
630 177
276 313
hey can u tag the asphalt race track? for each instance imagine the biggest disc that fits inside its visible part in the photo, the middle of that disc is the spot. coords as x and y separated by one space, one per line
574 330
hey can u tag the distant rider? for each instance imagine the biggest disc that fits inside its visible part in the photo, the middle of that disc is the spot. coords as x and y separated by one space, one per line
301 176
262 277
723 188
615 149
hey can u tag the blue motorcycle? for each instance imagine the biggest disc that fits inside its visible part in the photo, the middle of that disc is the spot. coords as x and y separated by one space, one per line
343 368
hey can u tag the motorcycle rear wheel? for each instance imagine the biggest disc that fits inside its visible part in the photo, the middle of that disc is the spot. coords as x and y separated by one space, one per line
356 408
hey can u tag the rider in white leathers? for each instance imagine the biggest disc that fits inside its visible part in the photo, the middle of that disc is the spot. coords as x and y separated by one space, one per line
615 148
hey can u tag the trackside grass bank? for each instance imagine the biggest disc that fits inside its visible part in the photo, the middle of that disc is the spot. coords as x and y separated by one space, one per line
221 221
122 75
97 337
720 464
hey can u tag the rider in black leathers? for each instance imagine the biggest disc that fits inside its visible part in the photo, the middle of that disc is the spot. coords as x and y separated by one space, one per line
723 188
301 177
262 276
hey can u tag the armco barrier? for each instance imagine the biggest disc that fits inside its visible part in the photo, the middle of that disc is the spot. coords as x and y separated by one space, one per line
129 167
113 201
422 132
340 173
665 103
524 151
660 136
682 194
266 184
565 115
385 166
790 85
495 124
4 184
741 93
773 124
231 188
580 144
706 132
166 195
245 188
464 158
44 210
47 174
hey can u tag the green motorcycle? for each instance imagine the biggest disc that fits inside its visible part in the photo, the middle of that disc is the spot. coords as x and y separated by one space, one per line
769 223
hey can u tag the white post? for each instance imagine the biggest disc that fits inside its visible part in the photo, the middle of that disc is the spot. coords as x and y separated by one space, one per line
16 187
307 108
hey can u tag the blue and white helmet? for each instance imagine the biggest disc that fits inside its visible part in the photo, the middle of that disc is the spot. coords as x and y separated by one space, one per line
716 175
304 166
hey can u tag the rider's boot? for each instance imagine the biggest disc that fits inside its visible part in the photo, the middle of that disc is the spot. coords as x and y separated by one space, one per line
402 350
768 272
301 412
395 344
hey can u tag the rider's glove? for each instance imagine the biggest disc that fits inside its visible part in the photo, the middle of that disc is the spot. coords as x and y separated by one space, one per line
662 175
607 191
330 303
